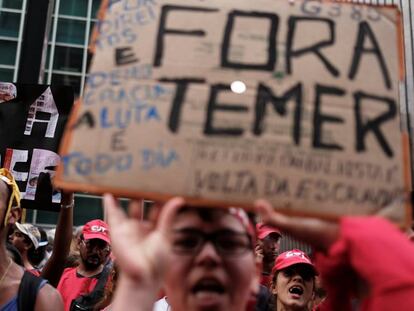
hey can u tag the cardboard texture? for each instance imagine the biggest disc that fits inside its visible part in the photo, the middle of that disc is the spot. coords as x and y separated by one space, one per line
316 131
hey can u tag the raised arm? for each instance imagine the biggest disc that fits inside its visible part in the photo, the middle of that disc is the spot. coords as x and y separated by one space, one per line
320 234
61 246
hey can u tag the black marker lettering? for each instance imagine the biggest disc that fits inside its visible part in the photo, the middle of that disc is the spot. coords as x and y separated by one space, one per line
162 30
271 52
87 119
373 125
265 95
319 118
290 52
213 105
125 56
182 85
364 32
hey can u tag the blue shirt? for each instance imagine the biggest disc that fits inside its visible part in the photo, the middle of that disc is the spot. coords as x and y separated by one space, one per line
11 305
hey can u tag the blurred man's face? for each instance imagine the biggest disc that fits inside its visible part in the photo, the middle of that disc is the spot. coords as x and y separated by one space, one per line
93 252
212 266
271 247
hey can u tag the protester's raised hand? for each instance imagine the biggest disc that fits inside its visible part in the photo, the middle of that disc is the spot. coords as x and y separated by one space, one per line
319 233
258 250
67 198
141 250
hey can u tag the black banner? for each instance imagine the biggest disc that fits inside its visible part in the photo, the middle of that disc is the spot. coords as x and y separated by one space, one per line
32 121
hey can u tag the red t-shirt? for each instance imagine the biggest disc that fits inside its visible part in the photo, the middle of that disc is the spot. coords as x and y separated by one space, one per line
266 280
72 285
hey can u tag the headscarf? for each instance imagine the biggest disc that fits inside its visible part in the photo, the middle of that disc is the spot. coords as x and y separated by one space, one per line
14 199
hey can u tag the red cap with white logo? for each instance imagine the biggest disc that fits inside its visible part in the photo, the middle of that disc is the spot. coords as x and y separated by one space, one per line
290 258
96 229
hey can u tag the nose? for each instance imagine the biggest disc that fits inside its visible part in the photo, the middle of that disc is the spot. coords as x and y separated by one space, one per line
208 255
297 277
11 236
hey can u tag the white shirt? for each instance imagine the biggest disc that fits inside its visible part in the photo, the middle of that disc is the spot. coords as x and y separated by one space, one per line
161 305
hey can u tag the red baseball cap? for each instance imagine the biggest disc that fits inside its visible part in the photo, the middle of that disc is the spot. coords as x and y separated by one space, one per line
96 229
263 230
290 258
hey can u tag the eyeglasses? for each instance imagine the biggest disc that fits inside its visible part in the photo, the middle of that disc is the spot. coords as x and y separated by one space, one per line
226 242
96 245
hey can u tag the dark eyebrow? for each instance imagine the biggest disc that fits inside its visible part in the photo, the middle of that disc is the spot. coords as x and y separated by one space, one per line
187 230
197 231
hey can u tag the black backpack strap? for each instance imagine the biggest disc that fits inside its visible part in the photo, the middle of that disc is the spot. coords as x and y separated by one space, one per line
28 289
99 289
88 301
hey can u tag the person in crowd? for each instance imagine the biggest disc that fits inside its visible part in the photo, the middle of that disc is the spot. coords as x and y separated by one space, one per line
204 258
83 286
268 247
74 256
363 257
293 281
40 256
26 238
11 274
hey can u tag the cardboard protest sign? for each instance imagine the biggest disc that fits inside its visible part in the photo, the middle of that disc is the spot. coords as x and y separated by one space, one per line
224 102
32 121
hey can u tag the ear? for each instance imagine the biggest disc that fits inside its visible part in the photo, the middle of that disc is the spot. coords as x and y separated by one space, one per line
14 215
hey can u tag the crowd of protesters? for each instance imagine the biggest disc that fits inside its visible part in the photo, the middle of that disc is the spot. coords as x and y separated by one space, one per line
198 258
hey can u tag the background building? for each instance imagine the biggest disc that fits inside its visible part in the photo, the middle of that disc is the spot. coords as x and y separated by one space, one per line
65 61
63 55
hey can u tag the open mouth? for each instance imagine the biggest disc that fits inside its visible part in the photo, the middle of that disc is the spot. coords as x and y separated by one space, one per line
208 286
296 290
